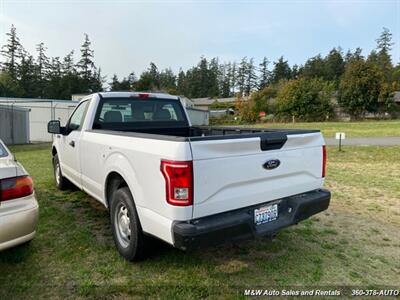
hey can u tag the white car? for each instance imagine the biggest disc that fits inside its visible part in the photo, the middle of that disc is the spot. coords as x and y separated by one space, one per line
19 209
138 154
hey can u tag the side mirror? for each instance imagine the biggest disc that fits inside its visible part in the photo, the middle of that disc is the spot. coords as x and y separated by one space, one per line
54 127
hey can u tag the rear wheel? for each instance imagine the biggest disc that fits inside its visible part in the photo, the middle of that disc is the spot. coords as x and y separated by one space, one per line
127 231
62 183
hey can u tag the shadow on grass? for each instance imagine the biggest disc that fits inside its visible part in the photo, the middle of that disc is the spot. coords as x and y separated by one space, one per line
16 255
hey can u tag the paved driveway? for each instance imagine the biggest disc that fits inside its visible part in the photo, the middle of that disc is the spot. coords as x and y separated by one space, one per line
366 141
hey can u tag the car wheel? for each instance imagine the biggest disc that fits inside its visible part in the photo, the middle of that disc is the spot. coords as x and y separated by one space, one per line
127 231
62 183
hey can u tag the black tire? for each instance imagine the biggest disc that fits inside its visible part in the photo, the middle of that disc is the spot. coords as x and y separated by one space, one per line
62 183
129 240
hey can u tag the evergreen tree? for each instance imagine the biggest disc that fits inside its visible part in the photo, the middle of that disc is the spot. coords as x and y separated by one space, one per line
115 84
70 81
181 83
42 61
214 76
241 76
12 53
27 76
233 78
384 60
86 66
264 73
224 81
251 77
334 65
68 66
314 67
351 57
42 67
53 88
96 82
281 70
168 81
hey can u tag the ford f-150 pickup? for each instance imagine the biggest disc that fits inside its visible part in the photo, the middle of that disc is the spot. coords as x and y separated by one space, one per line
139 155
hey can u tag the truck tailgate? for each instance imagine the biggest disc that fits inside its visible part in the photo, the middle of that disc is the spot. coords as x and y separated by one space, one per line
231 173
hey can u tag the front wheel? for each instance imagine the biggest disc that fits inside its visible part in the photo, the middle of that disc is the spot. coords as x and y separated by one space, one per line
127 231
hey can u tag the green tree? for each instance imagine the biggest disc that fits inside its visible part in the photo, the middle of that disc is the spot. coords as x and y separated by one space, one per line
168 81
305 99
334 65
360 88
265 74
264 100
27 74
314 67
90 75
53 88
281 70
70 79
354 56
241 76
182 83
251 77
115 85
42 69
11 51
8 88
384 60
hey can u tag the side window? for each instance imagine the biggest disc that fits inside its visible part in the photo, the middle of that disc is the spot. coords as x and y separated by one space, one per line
76 120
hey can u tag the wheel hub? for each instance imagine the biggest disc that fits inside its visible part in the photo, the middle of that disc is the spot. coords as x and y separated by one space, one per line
123 225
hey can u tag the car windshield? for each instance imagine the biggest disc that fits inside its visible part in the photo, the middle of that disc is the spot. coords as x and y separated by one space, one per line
3 151
133 113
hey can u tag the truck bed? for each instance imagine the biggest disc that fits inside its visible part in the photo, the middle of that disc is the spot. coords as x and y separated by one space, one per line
203 133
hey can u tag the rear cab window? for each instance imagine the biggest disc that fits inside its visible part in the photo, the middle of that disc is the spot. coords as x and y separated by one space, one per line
134 113
3 151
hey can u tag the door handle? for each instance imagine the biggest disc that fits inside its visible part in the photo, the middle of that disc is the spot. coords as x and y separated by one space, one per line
72 143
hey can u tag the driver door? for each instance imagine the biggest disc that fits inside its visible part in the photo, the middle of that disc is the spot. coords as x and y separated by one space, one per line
69 156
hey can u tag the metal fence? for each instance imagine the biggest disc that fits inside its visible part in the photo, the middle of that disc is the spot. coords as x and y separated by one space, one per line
14 124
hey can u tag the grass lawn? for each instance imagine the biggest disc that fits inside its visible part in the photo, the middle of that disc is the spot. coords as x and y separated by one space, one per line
352 129
355 242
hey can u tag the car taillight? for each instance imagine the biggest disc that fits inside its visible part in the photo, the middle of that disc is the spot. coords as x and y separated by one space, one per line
179 182
323 161
16 187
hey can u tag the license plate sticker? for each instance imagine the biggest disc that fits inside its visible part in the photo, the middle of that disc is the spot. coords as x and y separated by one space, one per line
266 214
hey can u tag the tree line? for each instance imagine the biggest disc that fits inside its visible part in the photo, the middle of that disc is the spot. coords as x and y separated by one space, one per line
361 84
23 75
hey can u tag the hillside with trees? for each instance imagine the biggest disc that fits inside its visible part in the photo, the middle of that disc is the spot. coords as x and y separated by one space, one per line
361 84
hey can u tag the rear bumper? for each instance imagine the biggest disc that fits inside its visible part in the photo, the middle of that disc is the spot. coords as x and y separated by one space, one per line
239 224
18 220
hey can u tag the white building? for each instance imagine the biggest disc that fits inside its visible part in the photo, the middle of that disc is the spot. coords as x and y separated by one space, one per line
41 112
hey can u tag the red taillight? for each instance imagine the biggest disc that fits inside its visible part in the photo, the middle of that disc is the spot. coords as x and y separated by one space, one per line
179 181
144 95
16 187
323 161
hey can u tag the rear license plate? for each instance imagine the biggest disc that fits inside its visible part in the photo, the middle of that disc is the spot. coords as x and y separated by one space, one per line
266 214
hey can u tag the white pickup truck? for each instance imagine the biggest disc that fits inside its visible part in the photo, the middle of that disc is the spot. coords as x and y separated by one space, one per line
138 154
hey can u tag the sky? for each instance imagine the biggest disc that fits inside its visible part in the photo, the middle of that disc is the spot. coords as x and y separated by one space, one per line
127 35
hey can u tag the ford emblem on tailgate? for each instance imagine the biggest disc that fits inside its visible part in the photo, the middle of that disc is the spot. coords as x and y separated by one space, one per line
272 164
